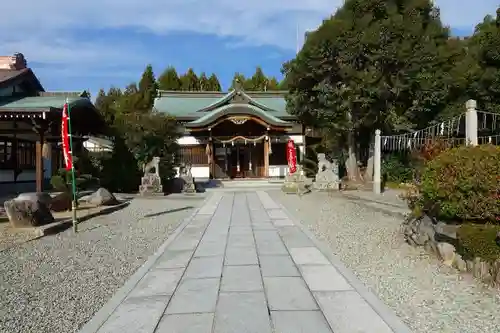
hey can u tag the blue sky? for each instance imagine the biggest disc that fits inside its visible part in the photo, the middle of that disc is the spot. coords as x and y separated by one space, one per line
86 45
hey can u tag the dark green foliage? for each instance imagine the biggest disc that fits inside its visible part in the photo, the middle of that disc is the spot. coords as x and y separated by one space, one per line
478 240
272 84
213 83
146 90
190 81
169 80
204 84
397 168
258 81
374 64
463 184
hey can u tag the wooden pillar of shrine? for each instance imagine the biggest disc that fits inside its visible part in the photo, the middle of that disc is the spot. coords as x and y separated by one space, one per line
266 156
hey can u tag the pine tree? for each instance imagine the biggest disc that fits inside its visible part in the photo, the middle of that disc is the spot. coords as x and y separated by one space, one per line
190 81
204 84
213 83
169 80
147 90
239 80
258 81
272 84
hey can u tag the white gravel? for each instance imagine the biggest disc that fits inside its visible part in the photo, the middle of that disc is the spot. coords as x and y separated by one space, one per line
427 296
55 284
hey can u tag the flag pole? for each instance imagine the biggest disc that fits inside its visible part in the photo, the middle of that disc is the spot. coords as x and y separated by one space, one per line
73 180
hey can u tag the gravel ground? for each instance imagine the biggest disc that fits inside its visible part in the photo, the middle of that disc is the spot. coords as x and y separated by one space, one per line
429 297
55 284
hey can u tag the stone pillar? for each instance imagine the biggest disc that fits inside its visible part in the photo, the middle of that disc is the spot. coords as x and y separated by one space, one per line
266 156
377 157
471 123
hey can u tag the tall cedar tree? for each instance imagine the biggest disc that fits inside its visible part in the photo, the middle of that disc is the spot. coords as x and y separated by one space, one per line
374 64
169 80
190 81
147 90
203 82
258 81
272 84
241 81
484 46
213 83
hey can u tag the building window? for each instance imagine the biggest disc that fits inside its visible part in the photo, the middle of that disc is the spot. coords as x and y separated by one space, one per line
194 155
26 155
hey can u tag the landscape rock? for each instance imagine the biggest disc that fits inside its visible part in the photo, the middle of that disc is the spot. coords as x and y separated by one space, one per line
460 263
102 197
446 252
27 213
61 202
43 197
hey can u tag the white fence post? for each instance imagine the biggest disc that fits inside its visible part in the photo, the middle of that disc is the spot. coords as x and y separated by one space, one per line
471 123
377 156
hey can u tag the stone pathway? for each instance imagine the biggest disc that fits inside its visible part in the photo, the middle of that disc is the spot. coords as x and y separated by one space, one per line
241 264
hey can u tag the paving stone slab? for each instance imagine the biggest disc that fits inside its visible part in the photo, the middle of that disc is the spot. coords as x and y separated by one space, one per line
241 256
294 237
241 278
184 242
263 226
324 278
278 266
344 311
269 243
277 214
241 240
299 322
136 315
158 282
288 293
174 259
238 229
205 267
194 295
186 323
283 223
211 248
267 201
308 256
242 313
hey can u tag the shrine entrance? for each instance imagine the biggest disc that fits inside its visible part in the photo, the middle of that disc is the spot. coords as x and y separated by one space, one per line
239 160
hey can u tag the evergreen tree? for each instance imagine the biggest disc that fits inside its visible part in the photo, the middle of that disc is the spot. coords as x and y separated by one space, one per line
204 84
374 64
147 90
190 81
239 80
169 80
213 83
272 84
100 101
258 81
484 47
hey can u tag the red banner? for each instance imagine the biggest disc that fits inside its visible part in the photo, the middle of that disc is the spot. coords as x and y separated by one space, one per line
291 156
65 138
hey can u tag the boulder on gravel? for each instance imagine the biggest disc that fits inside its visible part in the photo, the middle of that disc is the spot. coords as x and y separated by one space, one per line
43 197
27 213
61 202
102 197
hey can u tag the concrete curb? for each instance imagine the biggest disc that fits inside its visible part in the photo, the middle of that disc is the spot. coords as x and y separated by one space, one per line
387 314
386 209
100 317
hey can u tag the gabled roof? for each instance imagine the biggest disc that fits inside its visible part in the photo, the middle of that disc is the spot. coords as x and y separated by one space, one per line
9 77
237 109
45 102
191 105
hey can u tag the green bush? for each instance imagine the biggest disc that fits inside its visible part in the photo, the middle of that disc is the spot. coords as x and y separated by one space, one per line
463 184
478 240
62 181
397 169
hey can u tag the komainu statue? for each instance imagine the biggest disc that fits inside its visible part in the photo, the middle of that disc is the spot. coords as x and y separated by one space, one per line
151 181
327 177
153 164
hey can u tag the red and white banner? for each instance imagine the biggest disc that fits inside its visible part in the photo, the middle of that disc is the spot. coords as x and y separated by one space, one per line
65 138
291 156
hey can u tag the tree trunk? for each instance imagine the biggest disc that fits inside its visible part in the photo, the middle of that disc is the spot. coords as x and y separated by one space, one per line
352 161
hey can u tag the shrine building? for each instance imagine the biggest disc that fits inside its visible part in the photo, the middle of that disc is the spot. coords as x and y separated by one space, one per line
236 134
30 126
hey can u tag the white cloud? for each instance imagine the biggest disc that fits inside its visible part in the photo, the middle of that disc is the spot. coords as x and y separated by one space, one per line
39 28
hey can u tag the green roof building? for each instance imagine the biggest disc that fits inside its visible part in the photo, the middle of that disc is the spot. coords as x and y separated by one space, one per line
236 134
30 123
